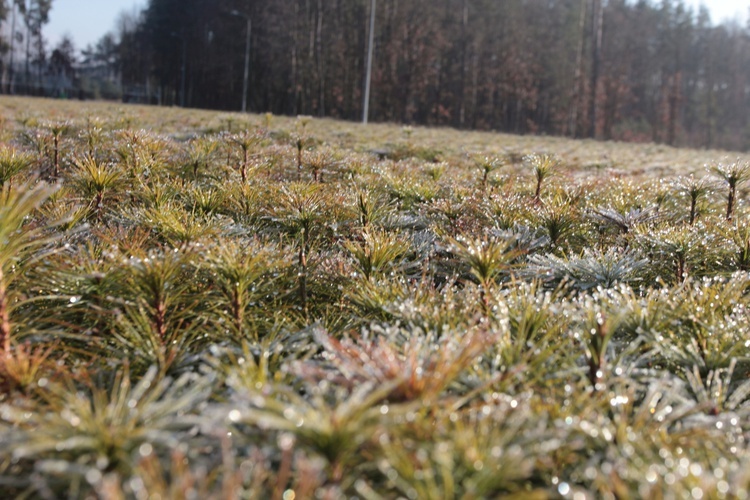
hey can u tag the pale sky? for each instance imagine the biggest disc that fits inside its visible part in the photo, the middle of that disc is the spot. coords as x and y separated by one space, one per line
88 20
85 20
722 10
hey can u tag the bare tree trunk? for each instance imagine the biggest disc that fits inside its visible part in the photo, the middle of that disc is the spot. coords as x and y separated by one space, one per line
464 61
370 54
295 91
295 62
320 62
40 55
28 58
308 76
674 99
11 68
611 98
474 86
710 113
575 96
596 56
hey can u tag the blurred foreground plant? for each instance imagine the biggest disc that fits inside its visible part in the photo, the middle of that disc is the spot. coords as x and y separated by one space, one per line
19 245
79 435
12 163
336 432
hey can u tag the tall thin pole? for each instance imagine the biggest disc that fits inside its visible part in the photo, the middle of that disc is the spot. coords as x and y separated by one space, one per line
11 77
246 81
248 32
184 67
370 49
183 71
596 60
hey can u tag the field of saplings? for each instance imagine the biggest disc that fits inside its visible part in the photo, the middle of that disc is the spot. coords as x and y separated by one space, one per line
206 305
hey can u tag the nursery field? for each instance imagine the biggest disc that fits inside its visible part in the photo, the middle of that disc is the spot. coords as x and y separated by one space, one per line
207 305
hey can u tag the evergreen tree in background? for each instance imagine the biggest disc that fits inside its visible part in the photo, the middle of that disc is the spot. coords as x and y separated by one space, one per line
642 70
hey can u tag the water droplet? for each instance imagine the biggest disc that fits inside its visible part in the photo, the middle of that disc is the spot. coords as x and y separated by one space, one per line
93 476
286 442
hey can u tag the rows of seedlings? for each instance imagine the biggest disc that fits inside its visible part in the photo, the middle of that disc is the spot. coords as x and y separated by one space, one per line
252 311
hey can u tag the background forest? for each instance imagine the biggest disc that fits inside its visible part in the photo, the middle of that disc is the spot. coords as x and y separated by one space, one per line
606 69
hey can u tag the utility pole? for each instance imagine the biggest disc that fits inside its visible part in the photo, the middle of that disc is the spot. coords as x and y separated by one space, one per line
246 79
596 60
183 71
370 49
